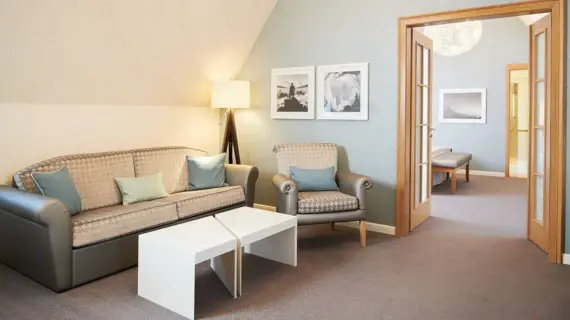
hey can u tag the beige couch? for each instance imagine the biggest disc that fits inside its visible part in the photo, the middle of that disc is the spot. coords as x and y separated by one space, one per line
61 251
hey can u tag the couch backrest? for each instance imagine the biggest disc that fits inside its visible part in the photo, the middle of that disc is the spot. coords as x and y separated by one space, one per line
93 175
306 156
171 161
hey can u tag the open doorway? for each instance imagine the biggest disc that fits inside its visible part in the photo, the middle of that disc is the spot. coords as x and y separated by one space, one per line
469 123
546 149
517 121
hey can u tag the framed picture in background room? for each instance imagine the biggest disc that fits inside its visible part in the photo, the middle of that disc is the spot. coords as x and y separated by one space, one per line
463 105
342 92
293 93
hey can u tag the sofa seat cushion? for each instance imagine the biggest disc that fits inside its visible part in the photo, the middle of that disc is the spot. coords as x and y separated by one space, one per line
325 201
110 222
192 203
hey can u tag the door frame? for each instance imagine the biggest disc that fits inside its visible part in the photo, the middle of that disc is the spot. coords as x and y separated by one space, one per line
510 67
557 126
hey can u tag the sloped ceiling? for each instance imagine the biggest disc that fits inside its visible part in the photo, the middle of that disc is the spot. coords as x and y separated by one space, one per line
150 52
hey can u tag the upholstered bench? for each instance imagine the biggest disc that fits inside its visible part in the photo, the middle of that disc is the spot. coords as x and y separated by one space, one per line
449 162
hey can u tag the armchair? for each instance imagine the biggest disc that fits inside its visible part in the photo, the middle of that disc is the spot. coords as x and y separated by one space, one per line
317 207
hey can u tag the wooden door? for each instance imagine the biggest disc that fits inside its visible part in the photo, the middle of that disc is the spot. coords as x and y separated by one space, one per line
422 49
539 170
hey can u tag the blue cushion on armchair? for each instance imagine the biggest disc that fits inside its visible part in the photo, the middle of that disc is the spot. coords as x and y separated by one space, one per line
314 179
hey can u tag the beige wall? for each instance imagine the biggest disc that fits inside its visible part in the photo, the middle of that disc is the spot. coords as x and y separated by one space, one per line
34 132
148 52
100 75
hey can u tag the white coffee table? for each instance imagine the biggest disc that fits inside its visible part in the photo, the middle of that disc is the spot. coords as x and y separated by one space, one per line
263 233
168 258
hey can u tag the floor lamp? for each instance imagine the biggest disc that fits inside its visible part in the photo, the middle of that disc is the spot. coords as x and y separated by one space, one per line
230 95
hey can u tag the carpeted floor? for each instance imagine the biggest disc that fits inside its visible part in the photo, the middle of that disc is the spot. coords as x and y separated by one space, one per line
469 261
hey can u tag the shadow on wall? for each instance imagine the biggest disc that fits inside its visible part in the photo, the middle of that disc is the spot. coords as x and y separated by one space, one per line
379 200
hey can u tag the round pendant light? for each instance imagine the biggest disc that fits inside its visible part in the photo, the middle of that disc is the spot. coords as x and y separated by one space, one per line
453 39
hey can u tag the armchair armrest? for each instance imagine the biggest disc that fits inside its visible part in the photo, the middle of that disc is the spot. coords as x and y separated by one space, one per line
36 237
354 185
287 194
245 176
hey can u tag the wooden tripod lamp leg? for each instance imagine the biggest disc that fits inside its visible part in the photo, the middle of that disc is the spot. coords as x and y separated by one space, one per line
230 144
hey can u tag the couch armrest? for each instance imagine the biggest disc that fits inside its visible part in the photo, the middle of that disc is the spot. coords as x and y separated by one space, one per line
245 176
36 237
354 185
287 194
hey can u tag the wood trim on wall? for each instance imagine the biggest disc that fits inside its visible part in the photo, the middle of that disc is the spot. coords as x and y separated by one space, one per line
557 124
510 67
556 143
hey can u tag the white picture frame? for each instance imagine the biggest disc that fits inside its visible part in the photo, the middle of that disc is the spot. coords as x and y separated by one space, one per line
463 105
350 81
293 93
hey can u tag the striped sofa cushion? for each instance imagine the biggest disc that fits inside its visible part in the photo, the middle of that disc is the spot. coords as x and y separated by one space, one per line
325 201
107 223
305 156
192 203
93 175
170 161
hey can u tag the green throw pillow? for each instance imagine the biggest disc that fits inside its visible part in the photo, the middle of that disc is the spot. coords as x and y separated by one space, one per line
59 185
206 172
314 179
141 188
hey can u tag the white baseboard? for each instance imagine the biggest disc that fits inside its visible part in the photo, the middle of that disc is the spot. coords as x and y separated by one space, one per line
482 173
566 258
264 207
370 226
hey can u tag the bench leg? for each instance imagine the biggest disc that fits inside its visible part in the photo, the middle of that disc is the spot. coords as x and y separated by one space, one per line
467 172
453 181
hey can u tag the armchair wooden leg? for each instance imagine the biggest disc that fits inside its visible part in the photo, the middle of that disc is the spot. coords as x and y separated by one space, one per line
363 233
333 226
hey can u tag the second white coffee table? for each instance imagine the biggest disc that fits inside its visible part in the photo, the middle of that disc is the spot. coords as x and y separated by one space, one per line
263 233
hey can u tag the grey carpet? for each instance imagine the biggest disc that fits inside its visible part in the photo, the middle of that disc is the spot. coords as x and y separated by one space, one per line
469 261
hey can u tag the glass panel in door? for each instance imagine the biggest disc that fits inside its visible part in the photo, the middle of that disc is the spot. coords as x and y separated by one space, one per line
540 45
421 125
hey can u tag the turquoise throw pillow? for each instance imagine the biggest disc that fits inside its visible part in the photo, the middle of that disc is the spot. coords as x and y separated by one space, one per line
60 186
314 179
206 172
142 188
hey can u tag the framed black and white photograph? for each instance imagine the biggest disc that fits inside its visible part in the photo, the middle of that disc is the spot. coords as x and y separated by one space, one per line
463 105
293 93
342 92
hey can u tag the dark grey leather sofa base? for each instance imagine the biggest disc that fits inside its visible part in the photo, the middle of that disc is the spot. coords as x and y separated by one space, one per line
87 263
34 254
108 257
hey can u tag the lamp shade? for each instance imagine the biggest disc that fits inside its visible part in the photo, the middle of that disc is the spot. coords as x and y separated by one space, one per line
230 94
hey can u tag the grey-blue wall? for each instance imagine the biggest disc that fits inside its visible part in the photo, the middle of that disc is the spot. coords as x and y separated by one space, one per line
482 67
317 32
